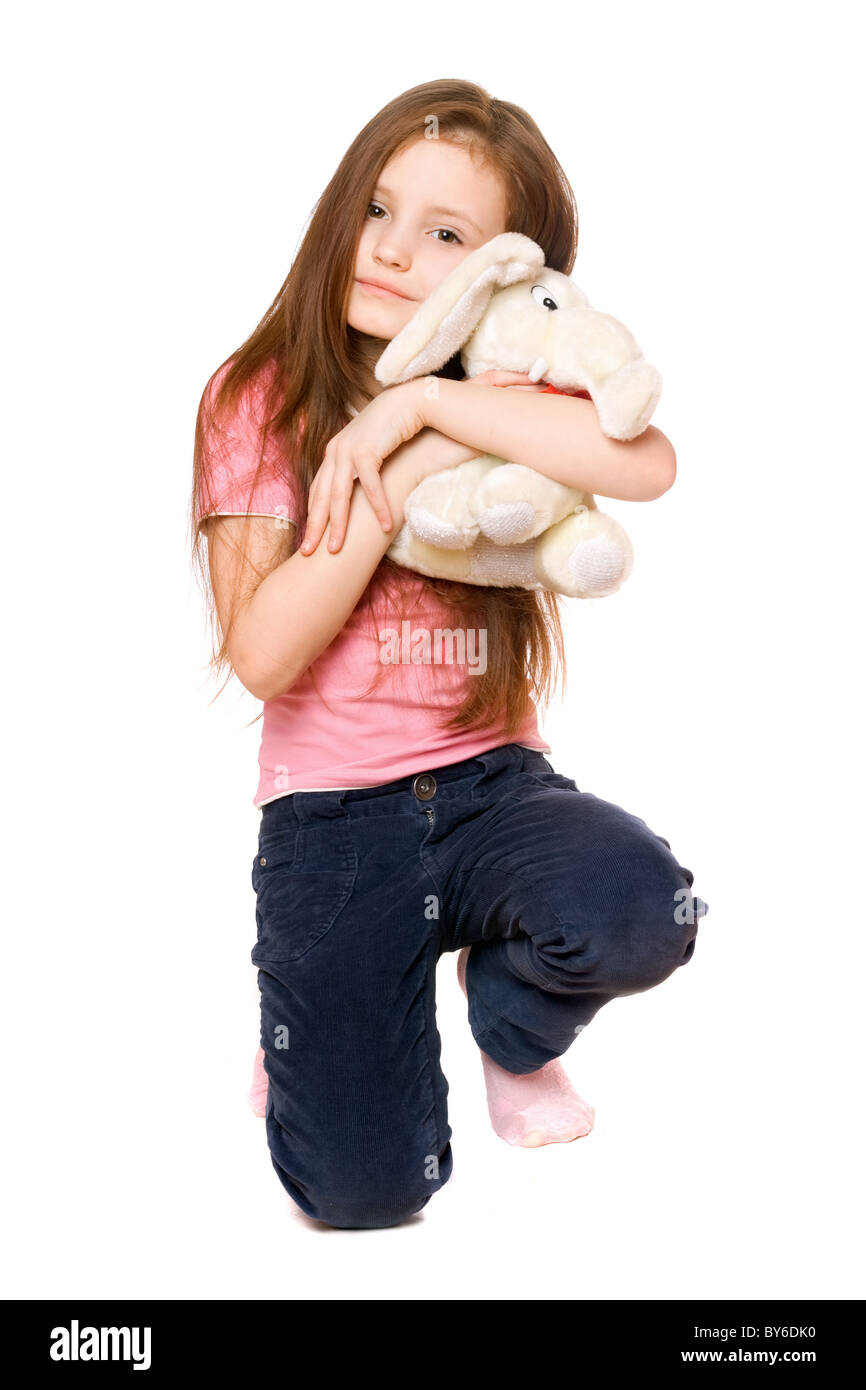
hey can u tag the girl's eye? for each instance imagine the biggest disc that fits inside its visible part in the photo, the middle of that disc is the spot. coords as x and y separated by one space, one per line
456 242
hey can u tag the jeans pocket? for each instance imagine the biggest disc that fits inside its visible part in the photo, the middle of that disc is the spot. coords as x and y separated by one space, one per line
302 880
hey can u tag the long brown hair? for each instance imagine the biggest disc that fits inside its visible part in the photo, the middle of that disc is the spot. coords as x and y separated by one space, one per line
311 359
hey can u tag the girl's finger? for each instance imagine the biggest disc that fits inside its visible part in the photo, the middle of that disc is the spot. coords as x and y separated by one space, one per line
371 481
318 508
342 485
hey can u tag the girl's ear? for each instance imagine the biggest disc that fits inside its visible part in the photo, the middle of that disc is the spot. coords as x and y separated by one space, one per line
449 316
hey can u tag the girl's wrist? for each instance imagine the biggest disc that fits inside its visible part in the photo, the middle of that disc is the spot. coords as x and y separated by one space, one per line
427 399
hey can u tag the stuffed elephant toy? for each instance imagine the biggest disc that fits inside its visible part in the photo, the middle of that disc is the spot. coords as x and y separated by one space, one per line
487 521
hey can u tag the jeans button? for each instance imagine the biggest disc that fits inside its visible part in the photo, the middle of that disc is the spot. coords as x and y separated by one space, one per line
263 861
424 786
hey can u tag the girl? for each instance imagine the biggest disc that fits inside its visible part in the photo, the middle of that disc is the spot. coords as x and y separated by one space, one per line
407 807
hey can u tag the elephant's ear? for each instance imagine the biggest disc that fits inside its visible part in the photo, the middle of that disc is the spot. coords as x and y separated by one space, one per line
449 316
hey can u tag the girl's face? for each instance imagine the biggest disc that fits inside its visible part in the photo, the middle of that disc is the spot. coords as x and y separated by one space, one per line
433 204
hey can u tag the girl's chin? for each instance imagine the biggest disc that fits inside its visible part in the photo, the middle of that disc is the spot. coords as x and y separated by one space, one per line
382 325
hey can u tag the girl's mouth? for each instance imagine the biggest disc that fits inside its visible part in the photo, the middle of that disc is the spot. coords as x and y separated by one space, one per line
382 294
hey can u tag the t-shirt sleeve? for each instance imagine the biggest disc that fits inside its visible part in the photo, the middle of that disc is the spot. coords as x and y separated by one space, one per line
228 482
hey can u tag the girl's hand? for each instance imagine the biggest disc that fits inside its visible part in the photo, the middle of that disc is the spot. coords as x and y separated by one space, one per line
358 451
521 381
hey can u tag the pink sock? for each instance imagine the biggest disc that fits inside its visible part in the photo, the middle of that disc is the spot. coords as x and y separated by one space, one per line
258 1092
541 1107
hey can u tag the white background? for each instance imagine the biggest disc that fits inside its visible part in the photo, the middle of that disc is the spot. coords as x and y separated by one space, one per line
161 164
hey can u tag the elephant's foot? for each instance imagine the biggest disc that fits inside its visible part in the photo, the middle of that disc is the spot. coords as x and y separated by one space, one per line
440 511
514 503
588 555
508 523
415 554
431 529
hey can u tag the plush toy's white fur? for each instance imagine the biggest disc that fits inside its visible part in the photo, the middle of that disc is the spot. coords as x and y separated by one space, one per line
487 521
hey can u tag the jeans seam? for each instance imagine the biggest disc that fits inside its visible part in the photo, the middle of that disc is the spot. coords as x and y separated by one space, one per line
538 979
432 959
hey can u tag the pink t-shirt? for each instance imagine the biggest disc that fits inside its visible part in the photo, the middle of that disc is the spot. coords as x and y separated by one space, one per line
355 738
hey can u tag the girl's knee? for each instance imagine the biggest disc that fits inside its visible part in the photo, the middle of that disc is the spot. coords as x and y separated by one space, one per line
367 1206
364 1200
357 1213
661 929
644 918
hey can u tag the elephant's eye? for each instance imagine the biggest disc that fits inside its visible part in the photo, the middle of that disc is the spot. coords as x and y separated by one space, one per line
541 294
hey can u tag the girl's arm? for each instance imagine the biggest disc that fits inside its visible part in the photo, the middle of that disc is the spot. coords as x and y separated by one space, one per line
358 450
558 436
284 621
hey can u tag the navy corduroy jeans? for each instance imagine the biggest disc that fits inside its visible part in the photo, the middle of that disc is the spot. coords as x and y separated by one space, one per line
568 901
